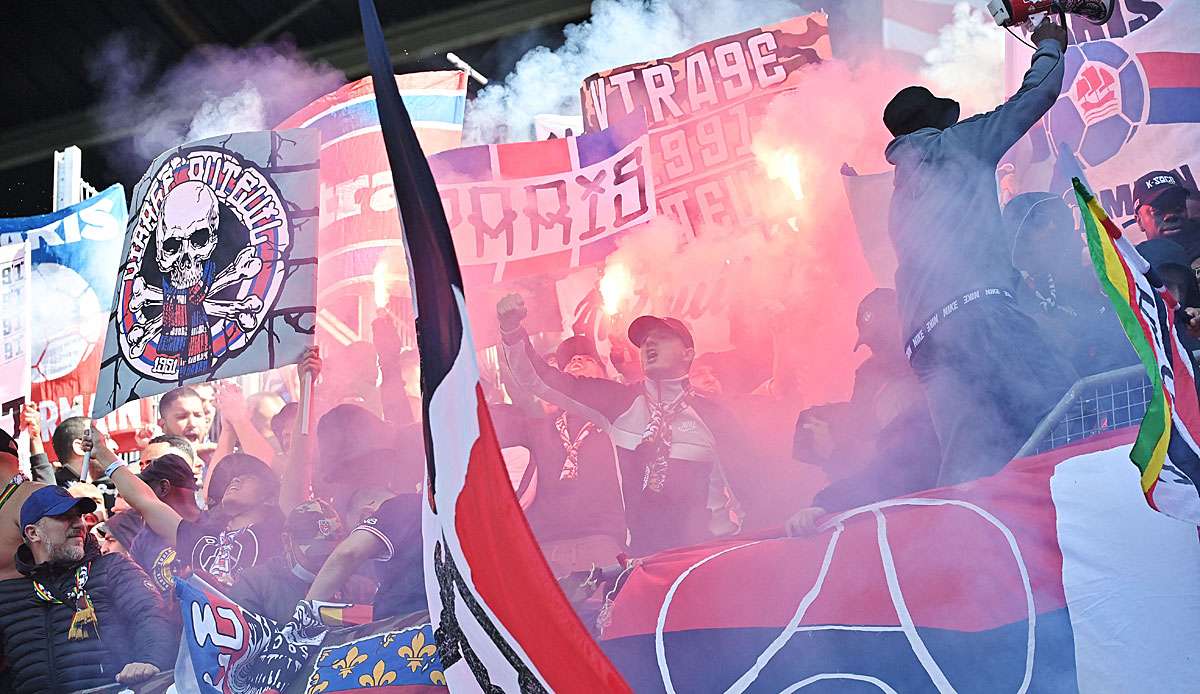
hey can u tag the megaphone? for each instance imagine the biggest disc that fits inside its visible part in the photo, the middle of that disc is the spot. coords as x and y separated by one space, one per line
1008 13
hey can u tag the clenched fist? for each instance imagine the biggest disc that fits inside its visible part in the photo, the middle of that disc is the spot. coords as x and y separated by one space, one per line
511 311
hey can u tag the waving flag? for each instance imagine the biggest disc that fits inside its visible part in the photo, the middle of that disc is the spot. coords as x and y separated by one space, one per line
502 623
1146 310
1051 576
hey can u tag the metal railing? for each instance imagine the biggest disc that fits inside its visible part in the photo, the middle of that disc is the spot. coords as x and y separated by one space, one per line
1104 402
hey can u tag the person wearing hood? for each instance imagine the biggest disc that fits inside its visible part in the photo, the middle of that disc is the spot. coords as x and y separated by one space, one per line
1058 286
889 413
988 372
77 619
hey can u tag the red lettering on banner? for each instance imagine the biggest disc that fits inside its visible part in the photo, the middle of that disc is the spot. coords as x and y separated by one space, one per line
560 217
592 190
630 168
660 89
584 204
492 202
701 89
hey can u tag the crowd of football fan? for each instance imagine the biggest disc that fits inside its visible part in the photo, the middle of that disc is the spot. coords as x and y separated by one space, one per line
995 314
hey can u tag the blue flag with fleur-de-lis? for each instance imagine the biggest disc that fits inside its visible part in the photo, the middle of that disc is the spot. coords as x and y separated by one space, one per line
227 649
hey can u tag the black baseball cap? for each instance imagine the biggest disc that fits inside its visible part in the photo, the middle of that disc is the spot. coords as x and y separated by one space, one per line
642 326
52 501
237 465
1150 188
314 522
877 305
172 468
574 346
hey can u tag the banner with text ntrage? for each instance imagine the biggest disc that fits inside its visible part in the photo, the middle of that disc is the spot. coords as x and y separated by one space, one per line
703 107
15 297
218 275
74 254
536 208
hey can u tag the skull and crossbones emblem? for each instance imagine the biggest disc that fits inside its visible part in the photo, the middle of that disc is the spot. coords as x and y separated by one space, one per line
186 238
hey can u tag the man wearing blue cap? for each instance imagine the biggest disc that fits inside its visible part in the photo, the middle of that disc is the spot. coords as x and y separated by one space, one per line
77 619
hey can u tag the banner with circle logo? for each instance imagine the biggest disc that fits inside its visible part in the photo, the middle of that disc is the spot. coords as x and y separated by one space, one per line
218 273
1130 103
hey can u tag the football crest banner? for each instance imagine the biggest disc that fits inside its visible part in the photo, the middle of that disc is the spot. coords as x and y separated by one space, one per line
1051 576
703 107
218 273
1130 102
74 253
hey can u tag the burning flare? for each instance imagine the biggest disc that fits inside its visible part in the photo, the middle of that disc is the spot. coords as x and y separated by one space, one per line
616 286
782 164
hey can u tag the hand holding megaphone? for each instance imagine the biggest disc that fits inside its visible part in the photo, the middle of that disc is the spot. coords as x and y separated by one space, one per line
1009 13
1049 29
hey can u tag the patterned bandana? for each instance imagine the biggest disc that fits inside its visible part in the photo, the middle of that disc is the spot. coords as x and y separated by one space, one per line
656 441
85 612
570 468
185 324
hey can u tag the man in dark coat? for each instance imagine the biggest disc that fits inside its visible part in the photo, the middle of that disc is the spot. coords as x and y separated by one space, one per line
77 619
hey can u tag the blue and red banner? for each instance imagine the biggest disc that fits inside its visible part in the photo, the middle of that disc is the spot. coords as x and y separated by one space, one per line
359 243
1048 576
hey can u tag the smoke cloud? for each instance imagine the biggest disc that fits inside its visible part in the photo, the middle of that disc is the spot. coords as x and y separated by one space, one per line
214 90
968 62
619 32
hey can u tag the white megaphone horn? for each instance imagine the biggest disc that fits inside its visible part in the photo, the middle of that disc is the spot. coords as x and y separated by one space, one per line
1008 13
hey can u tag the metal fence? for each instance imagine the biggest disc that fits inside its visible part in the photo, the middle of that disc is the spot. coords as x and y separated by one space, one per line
1103 402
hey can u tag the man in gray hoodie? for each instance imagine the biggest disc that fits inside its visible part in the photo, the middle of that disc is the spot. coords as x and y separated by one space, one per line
988 373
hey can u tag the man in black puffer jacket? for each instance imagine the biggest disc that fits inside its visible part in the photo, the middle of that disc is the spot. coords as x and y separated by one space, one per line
77 619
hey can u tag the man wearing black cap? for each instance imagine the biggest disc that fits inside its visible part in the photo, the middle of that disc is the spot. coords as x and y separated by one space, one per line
1160 203
77 619
172 480
670 441
577 514
989 374
242 527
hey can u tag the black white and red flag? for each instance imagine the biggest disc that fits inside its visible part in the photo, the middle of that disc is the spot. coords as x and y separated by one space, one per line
502 623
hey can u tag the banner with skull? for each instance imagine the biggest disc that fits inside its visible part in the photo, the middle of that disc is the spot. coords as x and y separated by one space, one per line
218 274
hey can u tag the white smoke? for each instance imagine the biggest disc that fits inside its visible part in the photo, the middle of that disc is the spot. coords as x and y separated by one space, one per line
212 91
241 111
619 32
968 62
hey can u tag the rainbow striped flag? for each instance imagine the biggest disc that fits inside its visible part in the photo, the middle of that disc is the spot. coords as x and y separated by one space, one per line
1165 450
